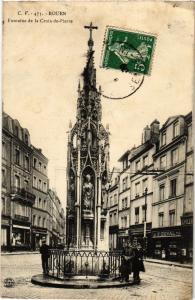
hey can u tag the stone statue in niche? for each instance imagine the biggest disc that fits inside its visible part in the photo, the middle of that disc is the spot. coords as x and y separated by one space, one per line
88 193
72 189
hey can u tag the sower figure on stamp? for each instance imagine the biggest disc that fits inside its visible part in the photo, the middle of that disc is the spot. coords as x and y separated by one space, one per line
44 250
138 264
126 264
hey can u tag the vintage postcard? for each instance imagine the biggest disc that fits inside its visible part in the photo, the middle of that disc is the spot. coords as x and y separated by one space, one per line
97 150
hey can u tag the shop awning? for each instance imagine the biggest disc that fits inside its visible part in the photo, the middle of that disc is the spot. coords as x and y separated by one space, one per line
19 226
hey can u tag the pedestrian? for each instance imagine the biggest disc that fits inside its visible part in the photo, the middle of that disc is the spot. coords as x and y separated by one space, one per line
44 250
137 264
126 263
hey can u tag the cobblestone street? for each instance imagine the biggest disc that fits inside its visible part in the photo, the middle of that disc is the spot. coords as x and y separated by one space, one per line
160 282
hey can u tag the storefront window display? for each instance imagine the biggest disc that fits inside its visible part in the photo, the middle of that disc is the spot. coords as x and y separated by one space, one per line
20 237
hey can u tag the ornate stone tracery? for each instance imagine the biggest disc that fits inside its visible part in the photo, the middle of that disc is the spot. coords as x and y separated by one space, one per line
88 162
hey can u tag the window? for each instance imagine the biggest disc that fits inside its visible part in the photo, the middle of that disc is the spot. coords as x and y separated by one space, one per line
44 169
40 184
137 166
17 131
163 162
26 139
174 157
189 141
173 188
34 220
110 219
4 152
125 163
124 203
144 184
162 192
26 163
35 181
102 231
145 160
40 166
17 156
44 187
44 222
3 177
3 205
17 182
137 215
125 183
34 163
175 129
172 217
163 138
137 189
115 198
161 219
40 202
115 220
44 204
39 221
125 221
111 201
26 185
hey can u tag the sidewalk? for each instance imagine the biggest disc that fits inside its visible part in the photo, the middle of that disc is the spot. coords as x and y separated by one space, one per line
169 263
19 253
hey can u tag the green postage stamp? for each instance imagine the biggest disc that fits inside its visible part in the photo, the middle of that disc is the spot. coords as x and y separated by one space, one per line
129 51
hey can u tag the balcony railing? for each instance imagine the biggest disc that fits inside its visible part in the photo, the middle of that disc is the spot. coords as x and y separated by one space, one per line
21 218
67 263
21 193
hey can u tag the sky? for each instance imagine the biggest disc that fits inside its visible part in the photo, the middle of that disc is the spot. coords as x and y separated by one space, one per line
43 62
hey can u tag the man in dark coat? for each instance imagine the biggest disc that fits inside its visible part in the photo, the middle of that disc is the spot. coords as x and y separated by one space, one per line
138 264
126 263
44 250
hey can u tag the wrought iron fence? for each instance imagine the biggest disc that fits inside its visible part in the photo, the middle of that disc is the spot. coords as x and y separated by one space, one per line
68 263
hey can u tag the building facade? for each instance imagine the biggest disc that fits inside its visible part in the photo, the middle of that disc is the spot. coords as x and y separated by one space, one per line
17 194
58 220
157 176
42 208
113 209
141 168
27 208
124 200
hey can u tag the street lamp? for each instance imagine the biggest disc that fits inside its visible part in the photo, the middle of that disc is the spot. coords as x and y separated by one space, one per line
145 237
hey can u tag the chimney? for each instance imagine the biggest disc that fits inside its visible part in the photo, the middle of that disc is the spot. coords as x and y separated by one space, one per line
146 134
155 130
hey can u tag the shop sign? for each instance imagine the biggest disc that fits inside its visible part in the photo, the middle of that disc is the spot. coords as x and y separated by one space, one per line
187 221
19 226
168 233
4 222
123 233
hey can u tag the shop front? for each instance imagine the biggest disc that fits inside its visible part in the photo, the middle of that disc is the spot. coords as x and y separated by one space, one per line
187 237
38 234
113 237
21 239
123 237
167 243
5 234
136 233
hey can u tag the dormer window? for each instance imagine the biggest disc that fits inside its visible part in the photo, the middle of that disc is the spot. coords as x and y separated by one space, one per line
163 138
175 129
26 139
17 131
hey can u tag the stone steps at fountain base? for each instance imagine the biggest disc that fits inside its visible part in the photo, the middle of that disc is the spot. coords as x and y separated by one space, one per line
77 283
